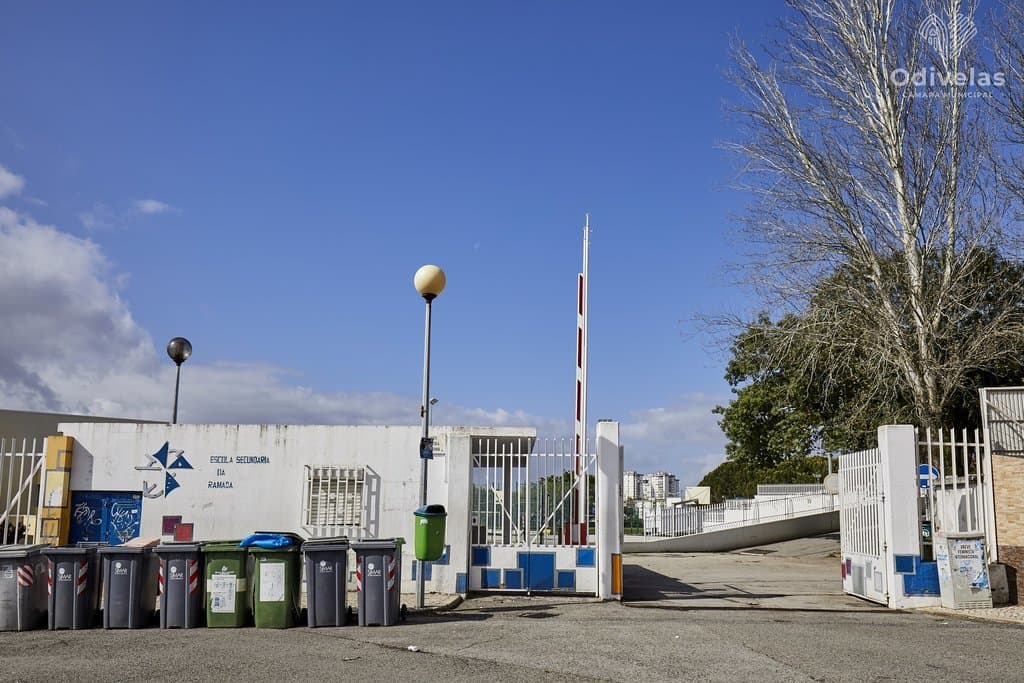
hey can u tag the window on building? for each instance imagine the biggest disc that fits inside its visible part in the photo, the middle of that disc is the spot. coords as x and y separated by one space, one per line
333 501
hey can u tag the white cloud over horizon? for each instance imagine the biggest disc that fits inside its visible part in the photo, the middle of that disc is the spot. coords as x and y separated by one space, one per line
57 290
10 183
151 206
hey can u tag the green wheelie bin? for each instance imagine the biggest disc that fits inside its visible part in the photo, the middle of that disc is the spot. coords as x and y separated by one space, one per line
277 585
227 586
429 536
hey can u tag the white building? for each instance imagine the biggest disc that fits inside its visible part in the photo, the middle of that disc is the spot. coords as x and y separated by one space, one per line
660 485
632 485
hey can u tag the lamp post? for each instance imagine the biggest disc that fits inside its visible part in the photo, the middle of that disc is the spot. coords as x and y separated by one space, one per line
179 349
429 282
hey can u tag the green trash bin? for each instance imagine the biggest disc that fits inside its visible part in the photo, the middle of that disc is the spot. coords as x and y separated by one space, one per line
227 589
429 537
277 577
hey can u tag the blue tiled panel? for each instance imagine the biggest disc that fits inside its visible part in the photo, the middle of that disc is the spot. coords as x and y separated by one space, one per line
585 557
427 570
444 556
481 556
924 580
490 578
460 582
539 570
567 579
906 564
513 579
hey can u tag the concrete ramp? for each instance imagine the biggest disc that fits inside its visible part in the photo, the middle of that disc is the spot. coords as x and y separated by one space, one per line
739 537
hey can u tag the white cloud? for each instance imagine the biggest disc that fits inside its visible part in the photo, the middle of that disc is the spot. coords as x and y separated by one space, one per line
683 438
99 217
151 206
71 344
10 184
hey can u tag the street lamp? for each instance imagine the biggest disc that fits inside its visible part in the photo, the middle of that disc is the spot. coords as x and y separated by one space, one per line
179 349
429 282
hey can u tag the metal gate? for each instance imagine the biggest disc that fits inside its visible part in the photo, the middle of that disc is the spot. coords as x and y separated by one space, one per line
862 515
22 463
953 477
533 525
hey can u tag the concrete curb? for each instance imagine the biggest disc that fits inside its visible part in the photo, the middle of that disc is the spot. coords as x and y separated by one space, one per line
450 603
970 615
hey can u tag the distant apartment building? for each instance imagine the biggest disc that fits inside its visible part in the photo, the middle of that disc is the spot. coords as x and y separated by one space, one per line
660 485
632 485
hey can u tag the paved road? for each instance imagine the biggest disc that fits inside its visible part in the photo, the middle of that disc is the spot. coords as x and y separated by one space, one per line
774 615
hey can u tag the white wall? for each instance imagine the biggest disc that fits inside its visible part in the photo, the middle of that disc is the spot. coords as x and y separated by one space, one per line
232 499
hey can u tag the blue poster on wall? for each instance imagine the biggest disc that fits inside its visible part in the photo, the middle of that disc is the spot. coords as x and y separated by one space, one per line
110 517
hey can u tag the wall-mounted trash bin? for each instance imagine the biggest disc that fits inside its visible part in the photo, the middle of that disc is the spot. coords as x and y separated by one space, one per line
181 600
74 579
326 579
277 580
429 538
227 586
129 585
22 587
379 580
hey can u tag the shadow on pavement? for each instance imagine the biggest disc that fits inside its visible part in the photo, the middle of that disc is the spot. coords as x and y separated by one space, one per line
642 585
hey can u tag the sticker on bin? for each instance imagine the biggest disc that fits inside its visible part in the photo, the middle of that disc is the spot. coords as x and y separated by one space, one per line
26 576
272 582
7 572
222 593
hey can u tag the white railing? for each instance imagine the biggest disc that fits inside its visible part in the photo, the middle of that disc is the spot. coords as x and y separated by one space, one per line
785 490
731 514
21 471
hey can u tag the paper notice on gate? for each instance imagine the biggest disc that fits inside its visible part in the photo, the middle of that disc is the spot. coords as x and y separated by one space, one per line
222 593
272 582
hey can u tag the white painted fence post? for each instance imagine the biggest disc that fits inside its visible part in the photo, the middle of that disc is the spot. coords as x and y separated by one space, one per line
897 447
609 513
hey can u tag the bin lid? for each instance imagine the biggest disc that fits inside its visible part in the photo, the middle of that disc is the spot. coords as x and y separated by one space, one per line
377 544
430 511
122 550
177 548
326 540
68 550
326 545
17 551
222 546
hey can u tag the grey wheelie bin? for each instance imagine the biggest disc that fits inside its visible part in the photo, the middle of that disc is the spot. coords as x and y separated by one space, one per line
22 587
326 575
74 577
379 580
180 580
129 585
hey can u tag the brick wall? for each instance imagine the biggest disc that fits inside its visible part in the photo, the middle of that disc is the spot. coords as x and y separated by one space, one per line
1008 484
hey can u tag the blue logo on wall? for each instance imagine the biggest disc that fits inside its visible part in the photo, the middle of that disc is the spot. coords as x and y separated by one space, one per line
158 462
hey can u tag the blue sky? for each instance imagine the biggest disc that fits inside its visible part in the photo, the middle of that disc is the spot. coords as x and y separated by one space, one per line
265 181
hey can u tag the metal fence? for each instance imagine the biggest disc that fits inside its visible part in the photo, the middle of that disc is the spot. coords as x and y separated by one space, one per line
21 471
785 490
731 514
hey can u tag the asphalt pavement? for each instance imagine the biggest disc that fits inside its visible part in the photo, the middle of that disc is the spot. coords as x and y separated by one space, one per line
773 613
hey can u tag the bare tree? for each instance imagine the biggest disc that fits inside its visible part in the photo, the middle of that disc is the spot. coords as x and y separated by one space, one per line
1009 51
869 151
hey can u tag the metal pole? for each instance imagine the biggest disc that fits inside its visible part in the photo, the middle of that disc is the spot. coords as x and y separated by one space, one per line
425 417
177 381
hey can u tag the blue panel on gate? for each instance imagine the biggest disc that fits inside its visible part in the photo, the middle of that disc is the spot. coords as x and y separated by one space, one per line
460 582
444 556
539 569
481 556
567 579
924 581
905 564
585 557
513 579
490 578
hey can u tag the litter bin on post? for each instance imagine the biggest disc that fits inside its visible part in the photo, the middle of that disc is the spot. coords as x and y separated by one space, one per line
429 540
227 604
181 601
129 584
326 579
276 586
22 587
73 580
379 580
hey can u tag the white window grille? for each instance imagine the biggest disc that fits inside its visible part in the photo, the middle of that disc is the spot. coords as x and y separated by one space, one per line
334 502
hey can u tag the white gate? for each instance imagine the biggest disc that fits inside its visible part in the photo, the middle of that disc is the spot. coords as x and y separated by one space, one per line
862 515
528 497
21 472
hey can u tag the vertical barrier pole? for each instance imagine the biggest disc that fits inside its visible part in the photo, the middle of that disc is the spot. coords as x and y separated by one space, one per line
609 514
